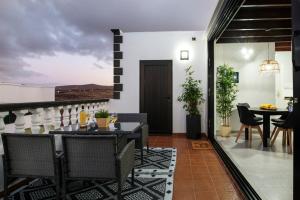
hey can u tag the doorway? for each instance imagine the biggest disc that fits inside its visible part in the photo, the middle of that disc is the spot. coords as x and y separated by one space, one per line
156 94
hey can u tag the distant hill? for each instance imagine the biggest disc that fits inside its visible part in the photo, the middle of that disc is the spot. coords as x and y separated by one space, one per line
83 87
83 92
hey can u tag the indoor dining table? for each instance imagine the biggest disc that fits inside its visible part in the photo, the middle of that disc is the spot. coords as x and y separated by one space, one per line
266 121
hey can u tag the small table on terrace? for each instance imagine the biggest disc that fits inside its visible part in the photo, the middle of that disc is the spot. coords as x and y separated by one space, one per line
266 123
121 130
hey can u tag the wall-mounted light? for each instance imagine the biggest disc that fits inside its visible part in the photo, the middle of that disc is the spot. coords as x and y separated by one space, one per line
184 54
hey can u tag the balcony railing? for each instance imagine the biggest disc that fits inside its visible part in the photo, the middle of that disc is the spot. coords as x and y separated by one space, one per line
40 117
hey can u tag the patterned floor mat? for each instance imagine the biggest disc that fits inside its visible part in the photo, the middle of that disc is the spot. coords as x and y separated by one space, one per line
156 161
153 181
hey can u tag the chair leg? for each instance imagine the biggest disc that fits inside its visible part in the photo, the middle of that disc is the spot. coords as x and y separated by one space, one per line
250 135
284 137
119 190
289 134
147 146
260 132
142 154
132 177
57 188
288 138
6 192
64 189
240 132
275 136
273 132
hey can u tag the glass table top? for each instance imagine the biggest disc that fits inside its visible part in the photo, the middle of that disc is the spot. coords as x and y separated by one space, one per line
92 128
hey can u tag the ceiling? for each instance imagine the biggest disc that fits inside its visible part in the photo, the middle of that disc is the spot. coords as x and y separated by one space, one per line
261 21
140 16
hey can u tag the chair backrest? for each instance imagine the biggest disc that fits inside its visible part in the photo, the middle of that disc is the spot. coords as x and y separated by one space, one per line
289 122
29 155
132 117
247 105
246 117
90 156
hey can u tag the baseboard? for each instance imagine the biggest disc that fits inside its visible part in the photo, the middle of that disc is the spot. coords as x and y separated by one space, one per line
241 181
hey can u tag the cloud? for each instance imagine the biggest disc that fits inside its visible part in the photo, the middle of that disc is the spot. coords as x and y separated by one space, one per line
98 66
37 28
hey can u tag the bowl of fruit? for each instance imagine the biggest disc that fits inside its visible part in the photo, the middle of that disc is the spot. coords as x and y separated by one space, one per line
268 106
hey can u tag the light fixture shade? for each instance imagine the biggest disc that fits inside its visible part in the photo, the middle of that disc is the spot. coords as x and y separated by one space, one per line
269 66
184 54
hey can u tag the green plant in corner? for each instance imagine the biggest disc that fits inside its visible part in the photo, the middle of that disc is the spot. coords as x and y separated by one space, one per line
192 94
102 114
226 89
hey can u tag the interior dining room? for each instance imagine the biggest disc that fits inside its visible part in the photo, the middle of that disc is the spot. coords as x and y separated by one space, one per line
253 96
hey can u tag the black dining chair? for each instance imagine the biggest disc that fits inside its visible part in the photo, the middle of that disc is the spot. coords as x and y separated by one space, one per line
287 128
30 156
247 120
281 119
247 105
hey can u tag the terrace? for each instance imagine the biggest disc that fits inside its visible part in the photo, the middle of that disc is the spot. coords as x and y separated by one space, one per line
134 138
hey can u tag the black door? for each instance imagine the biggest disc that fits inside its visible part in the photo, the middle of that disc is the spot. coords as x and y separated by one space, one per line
296 62
156 94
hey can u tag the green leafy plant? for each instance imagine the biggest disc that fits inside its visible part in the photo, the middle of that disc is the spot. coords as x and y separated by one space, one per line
226 92
192 94
102 114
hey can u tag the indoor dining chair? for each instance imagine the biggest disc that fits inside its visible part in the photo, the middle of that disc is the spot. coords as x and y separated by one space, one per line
248 121
287 128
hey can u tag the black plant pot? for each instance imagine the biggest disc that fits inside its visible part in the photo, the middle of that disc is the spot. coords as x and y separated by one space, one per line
193 126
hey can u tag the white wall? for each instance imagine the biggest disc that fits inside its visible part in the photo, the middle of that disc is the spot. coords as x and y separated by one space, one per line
17 93
284 79
254 88
161 46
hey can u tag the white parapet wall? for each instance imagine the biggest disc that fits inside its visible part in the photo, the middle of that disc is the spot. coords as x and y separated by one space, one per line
20 93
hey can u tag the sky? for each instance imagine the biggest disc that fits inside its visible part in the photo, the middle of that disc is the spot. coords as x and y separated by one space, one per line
39 45
59 42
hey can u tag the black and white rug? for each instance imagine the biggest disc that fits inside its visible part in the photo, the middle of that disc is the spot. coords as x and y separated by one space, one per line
156 161
153 181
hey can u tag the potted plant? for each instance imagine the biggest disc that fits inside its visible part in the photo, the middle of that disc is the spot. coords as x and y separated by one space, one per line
192 97
226 89
102 118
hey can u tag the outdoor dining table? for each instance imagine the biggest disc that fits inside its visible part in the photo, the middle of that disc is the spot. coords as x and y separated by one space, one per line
266 121
120 129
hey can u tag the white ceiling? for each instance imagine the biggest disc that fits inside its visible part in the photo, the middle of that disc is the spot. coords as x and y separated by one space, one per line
140 15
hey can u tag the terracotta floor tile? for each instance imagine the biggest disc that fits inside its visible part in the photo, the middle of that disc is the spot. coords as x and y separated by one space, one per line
207 185
182 195
228 196
206 195
199 174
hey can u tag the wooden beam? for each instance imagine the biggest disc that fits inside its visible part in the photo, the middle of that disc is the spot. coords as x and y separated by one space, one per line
266 3
277 44
263 13
257 39
283 46
287 48
260 25
255 33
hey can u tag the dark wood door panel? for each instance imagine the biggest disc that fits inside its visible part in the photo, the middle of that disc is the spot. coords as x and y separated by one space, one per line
156 94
